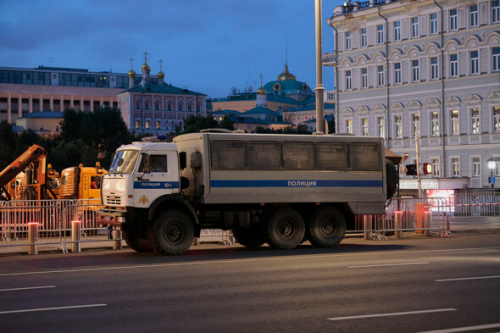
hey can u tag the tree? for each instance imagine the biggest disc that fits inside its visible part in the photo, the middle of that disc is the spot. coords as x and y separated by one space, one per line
194 124
227 123
8 142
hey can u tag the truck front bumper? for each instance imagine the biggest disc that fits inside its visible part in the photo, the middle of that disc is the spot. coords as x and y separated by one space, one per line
109 216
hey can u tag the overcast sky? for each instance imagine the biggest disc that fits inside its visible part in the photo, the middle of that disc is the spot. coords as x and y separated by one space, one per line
207 45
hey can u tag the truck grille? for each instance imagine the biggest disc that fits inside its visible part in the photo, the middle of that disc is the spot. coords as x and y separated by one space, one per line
113 200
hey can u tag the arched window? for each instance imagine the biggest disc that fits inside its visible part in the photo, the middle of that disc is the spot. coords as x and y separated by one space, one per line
180 105
157 105
198 106
181 125
190 106
138 104
169 105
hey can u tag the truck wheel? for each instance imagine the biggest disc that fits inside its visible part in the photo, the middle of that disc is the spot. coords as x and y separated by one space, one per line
172 233
326 228
135 241
285 229
249 237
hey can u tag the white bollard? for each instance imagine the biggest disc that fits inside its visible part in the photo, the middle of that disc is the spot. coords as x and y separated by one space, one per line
368 226
117 239
76 236
398 224
33 237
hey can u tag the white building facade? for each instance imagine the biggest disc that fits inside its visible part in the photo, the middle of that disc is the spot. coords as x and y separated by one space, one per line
427 69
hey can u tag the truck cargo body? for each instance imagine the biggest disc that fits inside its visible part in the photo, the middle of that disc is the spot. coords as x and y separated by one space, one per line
250 168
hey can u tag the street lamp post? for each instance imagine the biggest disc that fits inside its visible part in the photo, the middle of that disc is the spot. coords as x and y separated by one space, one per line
320 121
491 165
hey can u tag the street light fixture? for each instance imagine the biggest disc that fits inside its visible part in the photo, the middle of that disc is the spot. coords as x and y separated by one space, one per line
491 165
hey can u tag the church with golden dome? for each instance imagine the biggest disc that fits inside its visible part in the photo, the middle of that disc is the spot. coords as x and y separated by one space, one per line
156 107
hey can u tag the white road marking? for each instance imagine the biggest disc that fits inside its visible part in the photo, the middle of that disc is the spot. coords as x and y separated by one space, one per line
52 309
236 261
469 278
391 314
465 329
27 288
396 264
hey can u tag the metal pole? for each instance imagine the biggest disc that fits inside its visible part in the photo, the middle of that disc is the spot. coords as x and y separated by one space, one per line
418 161
117 239
320 122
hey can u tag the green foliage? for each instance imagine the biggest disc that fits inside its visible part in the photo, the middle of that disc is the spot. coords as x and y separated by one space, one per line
195 124
300 129
227 123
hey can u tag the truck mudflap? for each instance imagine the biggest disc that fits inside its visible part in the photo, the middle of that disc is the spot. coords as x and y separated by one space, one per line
113 217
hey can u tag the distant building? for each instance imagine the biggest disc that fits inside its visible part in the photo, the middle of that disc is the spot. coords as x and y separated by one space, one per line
147 103
427 70
156 107
44 123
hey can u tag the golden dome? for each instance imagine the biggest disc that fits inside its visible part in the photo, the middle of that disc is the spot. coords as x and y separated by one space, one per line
161 75
262 91
286 75
145 67
131 73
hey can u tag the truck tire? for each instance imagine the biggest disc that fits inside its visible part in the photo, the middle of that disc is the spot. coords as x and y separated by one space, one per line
326 228
172 233
285 229
249 237
135 241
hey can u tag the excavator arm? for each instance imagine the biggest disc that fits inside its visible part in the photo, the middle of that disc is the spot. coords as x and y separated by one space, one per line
31 155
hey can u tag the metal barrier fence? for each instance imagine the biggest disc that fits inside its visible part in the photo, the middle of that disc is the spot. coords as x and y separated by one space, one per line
475 204
421 215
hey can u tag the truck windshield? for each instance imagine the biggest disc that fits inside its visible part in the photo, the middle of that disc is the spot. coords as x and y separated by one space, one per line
124 161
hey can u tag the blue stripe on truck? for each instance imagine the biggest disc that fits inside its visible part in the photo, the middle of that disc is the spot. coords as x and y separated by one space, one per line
296 183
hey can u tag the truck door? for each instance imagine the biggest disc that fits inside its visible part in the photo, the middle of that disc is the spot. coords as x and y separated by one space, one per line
157 175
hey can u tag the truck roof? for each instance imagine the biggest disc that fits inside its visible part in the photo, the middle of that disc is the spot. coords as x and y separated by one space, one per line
143 145
273 137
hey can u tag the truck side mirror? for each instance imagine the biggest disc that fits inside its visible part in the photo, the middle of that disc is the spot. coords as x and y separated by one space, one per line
182 160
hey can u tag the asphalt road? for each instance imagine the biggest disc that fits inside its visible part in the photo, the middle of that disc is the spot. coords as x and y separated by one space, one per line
409 285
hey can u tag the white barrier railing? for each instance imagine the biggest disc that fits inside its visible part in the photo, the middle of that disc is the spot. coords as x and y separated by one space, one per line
475 204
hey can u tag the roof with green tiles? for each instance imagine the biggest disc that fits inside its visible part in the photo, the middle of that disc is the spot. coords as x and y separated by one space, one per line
162 89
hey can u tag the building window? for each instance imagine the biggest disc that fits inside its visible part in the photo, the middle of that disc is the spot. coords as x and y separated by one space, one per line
496 119
473 16
138 104
453 65
434 68
455 124
157 105
190 106
415 70
416 125
364 126
380 34
476 123
198 106
455 167
435 123
348 126
348 41
348 80
169 105
476 167
414 27
364 38
453 20
397 73
158 124
381 127
474 62
148 123
398 127
364 78
146 104
397 31
495 8
181 105
434 23
380 76
435 167
137 124
496 58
